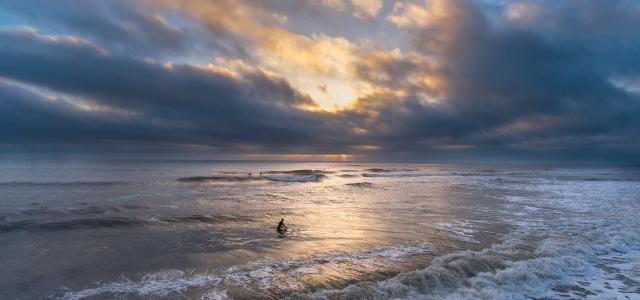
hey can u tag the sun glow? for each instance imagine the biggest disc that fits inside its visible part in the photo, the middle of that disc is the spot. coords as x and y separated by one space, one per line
318 65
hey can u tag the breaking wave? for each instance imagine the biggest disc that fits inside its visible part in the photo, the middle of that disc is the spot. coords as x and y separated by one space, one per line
294 178
573 256
282 176
272 278
551 270
295 175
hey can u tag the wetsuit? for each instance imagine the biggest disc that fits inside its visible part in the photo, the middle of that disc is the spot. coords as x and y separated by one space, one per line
281 226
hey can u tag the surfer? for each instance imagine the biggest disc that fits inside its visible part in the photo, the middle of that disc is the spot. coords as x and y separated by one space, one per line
281 229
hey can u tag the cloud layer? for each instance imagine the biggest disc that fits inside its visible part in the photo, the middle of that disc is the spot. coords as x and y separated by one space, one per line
433 80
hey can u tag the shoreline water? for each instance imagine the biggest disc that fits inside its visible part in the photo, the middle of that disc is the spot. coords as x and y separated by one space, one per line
136 230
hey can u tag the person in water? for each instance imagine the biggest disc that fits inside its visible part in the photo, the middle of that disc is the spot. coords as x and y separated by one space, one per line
281 229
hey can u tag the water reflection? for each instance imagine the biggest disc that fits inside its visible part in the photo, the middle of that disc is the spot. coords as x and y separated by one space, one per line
134 229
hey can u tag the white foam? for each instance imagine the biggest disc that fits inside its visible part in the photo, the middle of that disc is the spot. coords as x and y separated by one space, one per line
457 229
214 295
503 272
264 274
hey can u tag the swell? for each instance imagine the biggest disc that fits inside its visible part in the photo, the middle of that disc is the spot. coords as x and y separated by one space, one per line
65 184
39 211
381 170
414 173
360 184
113 222
484 173
221 178
607 179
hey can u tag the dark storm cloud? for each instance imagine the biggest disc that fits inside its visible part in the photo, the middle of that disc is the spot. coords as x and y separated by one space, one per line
178 103
30 117
510 86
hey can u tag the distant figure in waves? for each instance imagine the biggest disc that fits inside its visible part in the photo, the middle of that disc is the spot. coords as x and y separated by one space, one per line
281 229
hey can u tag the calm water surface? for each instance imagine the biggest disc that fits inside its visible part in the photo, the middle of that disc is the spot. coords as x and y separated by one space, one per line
206 230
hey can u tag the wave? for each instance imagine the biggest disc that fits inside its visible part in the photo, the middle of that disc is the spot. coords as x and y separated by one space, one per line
271 177
502 273
271 278
93 223
380 170
294 178
44 211
417 173
401 174
361 184
90 210
298 172
457 229
609 179
221 178
304 175
63 183
281 176
38 211
348 175
205 219
113 222
496 274
135 206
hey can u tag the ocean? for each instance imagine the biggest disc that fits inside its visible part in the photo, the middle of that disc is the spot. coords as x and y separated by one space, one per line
104 229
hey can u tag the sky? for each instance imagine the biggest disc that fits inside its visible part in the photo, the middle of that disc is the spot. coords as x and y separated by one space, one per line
415 80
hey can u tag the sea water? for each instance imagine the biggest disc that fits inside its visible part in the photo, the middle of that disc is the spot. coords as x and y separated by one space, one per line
101 229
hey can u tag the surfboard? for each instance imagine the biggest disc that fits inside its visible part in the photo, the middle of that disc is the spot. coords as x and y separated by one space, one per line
282 231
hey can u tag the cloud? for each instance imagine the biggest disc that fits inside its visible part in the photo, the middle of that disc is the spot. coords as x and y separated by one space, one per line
121 26
498 87
367 8
534 79
407 14
363 9
523 11
305 60
169 103
339 5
